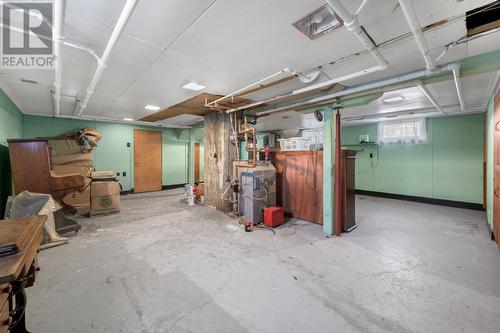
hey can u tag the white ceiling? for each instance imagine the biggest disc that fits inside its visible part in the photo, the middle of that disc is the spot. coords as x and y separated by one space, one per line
228 44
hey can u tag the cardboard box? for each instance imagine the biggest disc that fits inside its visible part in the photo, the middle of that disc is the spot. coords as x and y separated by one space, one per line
64 147
104 198
65 169
78 199
70 158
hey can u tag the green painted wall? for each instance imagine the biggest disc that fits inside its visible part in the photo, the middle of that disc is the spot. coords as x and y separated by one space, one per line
11 127
112 152
449 167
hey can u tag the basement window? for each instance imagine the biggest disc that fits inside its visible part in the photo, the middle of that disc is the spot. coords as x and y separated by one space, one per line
483 18
407 131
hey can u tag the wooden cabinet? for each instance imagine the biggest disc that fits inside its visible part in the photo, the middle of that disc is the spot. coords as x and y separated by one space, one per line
299 185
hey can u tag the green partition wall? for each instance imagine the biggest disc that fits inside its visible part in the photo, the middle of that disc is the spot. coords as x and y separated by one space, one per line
115 151
11 127
449 167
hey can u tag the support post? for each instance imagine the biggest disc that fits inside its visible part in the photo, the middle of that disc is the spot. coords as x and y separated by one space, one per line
338 176
328 167
191 145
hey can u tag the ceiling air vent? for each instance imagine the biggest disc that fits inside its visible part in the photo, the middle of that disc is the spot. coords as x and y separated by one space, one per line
319 22
483 18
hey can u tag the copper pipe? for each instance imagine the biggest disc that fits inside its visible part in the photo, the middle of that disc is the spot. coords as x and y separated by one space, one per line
245 131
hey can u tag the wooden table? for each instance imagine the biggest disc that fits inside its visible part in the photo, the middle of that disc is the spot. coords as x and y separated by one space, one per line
17 271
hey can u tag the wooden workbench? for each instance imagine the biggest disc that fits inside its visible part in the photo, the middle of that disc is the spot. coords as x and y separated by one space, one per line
17 270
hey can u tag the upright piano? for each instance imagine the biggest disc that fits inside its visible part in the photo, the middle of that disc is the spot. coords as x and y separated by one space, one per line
30 161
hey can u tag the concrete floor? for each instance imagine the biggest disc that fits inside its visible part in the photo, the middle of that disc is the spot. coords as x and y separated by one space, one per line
161 266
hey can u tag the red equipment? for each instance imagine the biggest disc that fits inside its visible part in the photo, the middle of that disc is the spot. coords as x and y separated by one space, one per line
274 216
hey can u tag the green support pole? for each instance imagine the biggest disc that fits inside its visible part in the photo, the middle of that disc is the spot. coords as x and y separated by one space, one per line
191 155
328 170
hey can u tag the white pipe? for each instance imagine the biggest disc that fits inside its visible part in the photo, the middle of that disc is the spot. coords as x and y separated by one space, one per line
352 24
360 8
339 79
412 19
308 88
101 66
458 85
111 120
59 11
284 70
431 98
361 88
83 48
450 110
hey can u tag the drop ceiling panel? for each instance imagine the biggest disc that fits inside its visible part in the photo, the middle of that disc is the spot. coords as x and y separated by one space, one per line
484 44
128 62
100 12
252 39
87 33
171 18
161 84
30 98
430 11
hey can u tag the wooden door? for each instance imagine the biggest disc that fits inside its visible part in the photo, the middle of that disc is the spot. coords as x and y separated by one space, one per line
196 162
147 161
496 172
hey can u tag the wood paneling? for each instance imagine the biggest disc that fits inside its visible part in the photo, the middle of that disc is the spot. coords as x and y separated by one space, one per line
147 161
299 184
496 171
193 106
196 162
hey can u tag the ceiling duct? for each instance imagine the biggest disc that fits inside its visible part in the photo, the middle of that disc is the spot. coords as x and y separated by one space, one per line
319 22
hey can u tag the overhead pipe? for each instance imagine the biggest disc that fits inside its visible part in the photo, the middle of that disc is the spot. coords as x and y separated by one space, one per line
458 86
284 70
431 98
112 120
352 24
361 7
360 88
307 89
339 79
412 19
83 48
59 13
449 110
125 15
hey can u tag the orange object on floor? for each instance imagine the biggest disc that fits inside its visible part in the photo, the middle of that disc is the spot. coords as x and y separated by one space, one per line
274 216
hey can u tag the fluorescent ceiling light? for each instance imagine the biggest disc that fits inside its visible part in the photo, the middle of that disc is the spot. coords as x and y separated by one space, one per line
152 107
393 99
193 86
128 119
